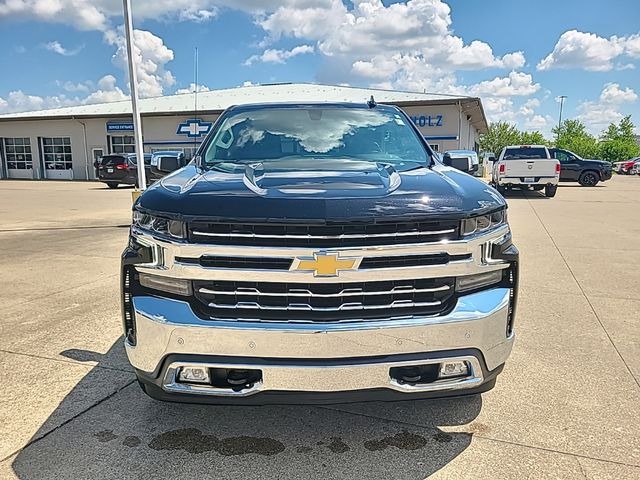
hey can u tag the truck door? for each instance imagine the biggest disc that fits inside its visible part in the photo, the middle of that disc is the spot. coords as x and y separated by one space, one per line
569 165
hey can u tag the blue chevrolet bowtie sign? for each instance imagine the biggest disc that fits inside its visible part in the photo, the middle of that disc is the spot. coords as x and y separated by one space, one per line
194 128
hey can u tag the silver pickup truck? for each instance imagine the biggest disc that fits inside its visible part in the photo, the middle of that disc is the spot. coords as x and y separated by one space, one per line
524 166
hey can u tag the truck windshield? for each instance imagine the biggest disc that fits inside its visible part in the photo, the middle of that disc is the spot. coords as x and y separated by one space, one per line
524 153
270 134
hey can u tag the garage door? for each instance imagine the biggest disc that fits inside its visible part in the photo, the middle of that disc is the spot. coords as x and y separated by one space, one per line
56 153
18 157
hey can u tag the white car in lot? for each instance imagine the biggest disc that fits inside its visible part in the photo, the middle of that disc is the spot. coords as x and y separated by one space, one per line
524 166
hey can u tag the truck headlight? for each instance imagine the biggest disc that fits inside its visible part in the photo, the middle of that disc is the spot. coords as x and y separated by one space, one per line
163 226
483 223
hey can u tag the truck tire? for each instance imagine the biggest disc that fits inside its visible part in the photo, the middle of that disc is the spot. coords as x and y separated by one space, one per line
550 190
537 188
112 185
589 178
501 189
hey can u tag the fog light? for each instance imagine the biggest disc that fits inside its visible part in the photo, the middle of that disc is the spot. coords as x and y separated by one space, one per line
453 369
194 375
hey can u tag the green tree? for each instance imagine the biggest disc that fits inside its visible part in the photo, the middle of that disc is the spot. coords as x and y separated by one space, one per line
572 135
532 138
500 135
618 142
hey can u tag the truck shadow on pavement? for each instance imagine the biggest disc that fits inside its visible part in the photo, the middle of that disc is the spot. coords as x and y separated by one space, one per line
125 434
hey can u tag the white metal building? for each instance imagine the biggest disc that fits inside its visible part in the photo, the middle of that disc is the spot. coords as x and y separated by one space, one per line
63 143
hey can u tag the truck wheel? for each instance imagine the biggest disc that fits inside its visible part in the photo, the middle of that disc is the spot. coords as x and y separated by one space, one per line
112 185
589 179
501 189
537 188
550 190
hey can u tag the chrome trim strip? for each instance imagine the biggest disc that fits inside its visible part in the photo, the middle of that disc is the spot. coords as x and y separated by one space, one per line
329 378
166 326
293 307
324 237
300 292
473 245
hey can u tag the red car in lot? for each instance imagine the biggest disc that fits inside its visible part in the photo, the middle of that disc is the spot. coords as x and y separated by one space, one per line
628 167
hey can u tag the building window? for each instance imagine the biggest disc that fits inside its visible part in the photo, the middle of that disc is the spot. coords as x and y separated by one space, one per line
17 152
57 153
123 144
435 147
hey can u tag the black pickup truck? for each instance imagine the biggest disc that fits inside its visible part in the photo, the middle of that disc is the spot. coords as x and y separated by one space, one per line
575 169
317 253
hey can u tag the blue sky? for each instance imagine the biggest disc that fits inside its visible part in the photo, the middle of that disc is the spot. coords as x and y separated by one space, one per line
517 55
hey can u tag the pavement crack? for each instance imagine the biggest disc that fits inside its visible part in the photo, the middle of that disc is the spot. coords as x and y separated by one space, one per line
593 310
33 441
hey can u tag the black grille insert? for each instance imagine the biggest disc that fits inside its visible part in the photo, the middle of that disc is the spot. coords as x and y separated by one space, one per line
324 302
323 236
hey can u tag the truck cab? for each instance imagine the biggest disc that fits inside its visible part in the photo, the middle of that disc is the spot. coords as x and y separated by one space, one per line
526 166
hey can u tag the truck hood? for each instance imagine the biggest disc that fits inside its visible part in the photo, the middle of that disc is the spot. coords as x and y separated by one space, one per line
319 193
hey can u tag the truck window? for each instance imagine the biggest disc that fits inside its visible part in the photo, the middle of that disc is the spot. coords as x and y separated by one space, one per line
523 153
273 134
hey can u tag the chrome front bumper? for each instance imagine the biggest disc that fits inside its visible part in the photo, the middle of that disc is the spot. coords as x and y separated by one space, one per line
168 328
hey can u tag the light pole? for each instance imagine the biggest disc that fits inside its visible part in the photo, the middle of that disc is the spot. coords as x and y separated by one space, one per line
561 98
133 81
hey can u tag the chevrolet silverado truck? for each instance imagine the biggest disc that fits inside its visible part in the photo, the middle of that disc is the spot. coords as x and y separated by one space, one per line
573 168
524 166
317 253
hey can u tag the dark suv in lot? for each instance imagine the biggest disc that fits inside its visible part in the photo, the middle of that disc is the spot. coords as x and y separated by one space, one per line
575 169
122 169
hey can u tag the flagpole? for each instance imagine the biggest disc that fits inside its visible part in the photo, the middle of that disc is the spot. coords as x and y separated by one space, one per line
133 82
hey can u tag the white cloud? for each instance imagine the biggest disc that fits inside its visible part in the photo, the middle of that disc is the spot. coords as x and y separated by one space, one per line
56 47
279 56
596 115
536 122
590 52
74 87
418 30
613 94
100 14
107 91
516 84
192 88
151 57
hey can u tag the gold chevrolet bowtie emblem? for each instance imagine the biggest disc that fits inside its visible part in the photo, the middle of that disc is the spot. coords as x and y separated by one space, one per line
325 264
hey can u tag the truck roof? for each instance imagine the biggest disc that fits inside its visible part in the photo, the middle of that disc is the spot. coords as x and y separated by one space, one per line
261 106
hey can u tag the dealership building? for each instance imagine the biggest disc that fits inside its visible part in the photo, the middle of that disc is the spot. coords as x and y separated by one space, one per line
63 143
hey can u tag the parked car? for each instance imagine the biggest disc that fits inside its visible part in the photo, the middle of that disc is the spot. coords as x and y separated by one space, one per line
636 167
317 253
177 154
524 166
469 155
573 168
122 169
625 167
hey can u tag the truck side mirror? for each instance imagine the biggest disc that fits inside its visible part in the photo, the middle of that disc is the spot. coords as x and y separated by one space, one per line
169 164
491 158
459 163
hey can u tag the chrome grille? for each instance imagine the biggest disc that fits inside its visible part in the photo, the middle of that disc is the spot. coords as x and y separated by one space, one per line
330 235
319 302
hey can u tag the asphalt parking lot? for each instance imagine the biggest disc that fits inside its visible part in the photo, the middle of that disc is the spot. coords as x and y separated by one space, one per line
566 406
